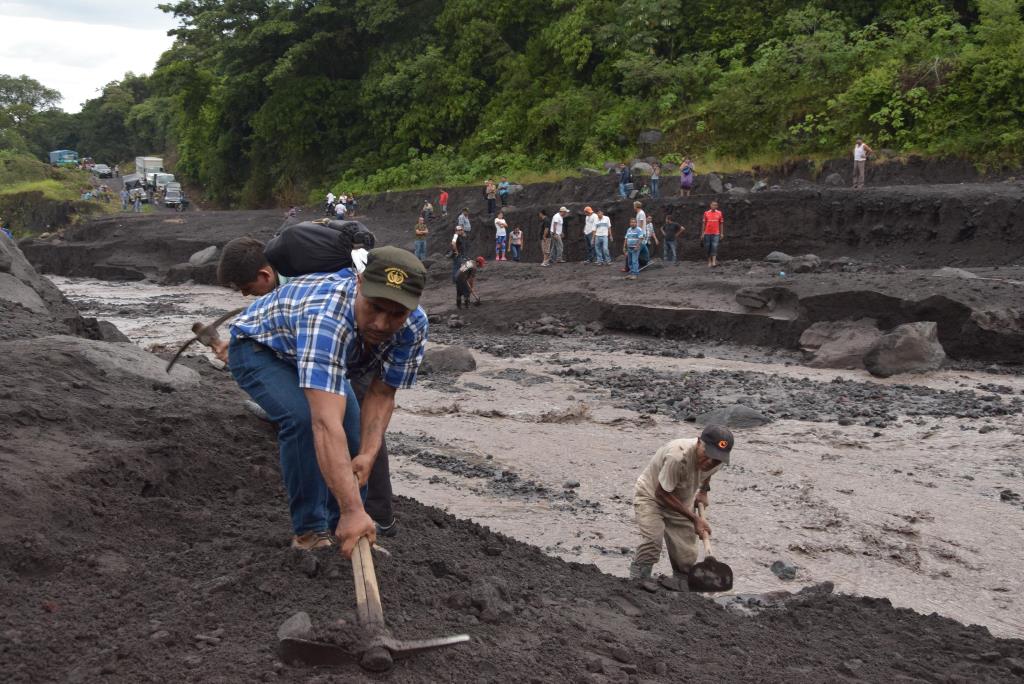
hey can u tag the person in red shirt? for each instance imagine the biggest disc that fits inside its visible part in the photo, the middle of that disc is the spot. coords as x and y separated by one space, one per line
443 201
712 233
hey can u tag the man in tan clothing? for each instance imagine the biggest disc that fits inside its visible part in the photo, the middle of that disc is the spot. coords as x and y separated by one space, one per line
666 494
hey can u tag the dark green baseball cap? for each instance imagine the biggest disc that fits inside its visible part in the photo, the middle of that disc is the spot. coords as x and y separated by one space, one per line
395 274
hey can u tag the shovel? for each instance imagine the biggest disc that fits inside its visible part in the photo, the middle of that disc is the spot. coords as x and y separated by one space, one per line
709 575
380 649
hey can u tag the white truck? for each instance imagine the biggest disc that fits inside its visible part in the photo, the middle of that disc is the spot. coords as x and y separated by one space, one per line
147 166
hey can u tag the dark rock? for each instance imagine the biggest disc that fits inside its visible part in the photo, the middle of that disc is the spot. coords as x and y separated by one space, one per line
835 180
641 168
738 191
754 298
735 415
714 183
651 137
783 570
908 348
570 484
447 360
759 186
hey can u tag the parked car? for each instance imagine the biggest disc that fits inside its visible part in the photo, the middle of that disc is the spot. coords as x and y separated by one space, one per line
103 171
172 197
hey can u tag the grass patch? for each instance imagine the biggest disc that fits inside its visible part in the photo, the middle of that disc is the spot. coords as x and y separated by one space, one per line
51 189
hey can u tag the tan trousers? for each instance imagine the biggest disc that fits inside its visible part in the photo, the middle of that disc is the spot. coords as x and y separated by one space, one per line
656 523
545 248
858 174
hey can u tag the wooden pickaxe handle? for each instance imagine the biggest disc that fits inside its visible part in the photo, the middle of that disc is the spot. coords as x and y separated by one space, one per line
368 607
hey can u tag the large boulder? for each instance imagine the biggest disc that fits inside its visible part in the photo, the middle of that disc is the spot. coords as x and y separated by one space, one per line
908 348
778 258
652 137
641 168
736 415
714 183
447 360
834 180
840 344
203 256
759 186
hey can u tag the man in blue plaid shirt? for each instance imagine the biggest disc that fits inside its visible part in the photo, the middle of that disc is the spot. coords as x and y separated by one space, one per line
294 350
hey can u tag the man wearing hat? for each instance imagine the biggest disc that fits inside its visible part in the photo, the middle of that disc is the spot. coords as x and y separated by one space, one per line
665 499
589 228
294 351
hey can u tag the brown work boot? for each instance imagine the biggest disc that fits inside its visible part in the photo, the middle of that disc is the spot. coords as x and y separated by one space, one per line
311 541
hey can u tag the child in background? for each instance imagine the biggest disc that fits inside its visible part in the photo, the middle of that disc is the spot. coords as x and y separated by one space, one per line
516 245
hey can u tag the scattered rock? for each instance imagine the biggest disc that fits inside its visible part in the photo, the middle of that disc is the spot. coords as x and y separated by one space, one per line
755 298
203 256
1009 495
908 348
759 186
161 636
808 263
490 595
570 484
778 258
455 321
447 360
736 190
735 415
298 626
835 180
783 570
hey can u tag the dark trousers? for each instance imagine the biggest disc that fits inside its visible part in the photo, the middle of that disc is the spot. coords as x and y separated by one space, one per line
378 488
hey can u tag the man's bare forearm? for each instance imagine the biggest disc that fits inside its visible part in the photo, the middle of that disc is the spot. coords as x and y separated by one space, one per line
331 445
376 410
672 501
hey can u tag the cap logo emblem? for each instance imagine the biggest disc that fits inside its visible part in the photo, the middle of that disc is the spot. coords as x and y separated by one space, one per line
722 444
395 277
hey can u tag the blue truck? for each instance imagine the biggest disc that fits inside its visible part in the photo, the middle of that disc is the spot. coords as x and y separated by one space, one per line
64 158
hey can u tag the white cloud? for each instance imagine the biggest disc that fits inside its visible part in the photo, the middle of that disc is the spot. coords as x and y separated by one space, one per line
64 46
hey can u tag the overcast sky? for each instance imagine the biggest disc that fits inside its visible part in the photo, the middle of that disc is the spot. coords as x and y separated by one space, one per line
78 46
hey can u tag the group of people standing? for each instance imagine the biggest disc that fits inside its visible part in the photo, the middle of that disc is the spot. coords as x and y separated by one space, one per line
627 184
340 207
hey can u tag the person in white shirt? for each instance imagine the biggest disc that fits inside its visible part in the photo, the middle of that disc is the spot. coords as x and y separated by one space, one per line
602 238
557 248
588 233
463 221
860 157
339 209
329 204
500 236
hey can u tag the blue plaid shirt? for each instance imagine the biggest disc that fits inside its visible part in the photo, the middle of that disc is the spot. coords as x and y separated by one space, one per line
311 322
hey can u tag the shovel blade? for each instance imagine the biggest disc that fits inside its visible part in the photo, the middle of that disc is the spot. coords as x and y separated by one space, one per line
709 576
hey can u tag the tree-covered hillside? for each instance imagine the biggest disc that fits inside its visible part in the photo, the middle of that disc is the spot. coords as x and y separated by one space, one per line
267 100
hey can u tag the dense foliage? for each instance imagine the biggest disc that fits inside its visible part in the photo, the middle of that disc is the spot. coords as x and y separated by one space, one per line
266 100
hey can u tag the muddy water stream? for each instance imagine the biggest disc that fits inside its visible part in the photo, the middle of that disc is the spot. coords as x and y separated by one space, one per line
917 512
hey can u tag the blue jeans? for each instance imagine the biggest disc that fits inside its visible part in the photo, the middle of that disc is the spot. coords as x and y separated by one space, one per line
622 190
274 384
711 244
515 251
633 261
645 255
420 249
670 250
654 188
601 249
589 239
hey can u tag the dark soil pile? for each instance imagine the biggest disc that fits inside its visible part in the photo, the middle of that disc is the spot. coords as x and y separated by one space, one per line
144 535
